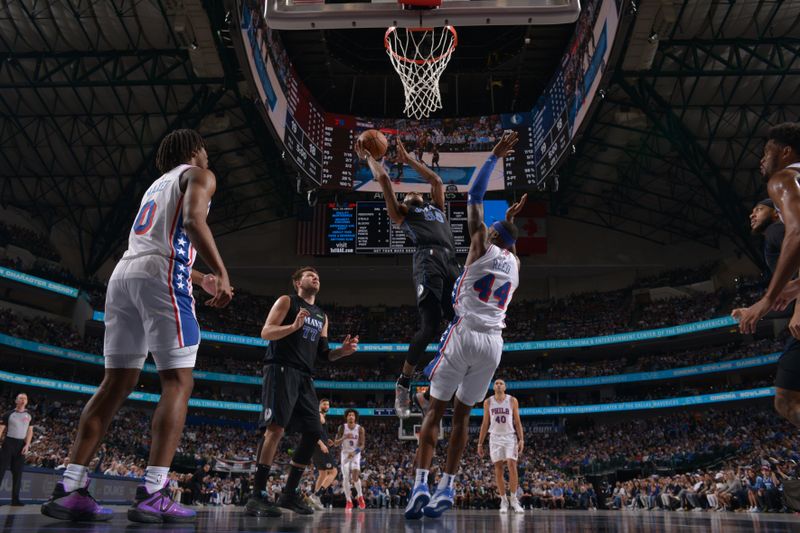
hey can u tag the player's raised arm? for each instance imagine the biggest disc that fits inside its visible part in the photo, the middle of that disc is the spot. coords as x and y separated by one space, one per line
397 211
437 186
484 427
513 211
274 329
475 224
200 187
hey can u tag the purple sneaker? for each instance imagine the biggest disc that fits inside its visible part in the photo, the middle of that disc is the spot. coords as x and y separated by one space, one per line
78 506
158 507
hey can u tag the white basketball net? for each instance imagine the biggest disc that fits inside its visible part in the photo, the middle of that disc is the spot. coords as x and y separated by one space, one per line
420 55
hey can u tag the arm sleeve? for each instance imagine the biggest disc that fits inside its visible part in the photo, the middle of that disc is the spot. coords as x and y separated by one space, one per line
481 182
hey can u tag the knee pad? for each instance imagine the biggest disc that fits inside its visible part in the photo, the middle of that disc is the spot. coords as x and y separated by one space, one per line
176 358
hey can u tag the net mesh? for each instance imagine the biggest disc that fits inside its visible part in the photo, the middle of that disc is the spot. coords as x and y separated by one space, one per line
420 55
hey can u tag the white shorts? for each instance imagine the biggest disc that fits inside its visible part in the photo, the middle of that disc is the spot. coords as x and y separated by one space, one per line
149 307
350 464
465 363
503 447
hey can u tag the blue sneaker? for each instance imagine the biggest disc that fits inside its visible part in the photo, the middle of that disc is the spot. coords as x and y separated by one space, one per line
420 497
442 501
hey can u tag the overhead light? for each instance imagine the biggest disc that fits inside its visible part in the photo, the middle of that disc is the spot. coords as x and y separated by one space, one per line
653 37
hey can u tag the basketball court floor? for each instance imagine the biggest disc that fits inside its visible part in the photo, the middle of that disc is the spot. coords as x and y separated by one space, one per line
229 520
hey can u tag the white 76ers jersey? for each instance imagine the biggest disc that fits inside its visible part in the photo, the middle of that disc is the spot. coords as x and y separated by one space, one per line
350 442
483 291
502 422
158 227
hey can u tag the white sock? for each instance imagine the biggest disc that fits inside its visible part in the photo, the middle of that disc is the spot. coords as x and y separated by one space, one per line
422 478
447 481
358 489
348 494
503 498
155 477
75 477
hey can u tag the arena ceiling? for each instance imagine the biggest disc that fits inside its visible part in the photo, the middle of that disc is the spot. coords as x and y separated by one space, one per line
672 151
89 87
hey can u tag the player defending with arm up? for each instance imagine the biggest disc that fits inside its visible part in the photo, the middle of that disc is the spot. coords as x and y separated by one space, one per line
435 266
472 345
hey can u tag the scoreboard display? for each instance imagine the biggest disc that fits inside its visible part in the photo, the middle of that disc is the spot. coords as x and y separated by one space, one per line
365 227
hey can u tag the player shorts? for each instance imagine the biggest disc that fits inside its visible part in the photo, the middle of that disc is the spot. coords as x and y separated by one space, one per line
435 272
289 400
149 307
503 447
323 461
349 464
465 363
788 373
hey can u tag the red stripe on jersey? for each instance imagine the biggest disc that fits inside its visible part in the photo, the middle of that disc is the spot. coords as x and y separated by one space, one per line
171 269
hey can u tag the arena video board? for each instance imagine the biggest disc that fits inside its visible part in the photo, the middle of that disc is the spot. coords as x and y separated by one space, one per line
365 227
321 143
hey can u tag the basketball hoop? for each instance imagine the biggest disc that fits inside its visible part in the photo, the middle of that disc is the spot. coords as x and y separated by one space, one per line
420 55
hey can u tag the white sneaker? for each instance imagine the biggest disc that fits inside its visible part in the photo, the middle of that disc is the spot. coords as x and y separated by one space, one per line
402 401
316 502
516 506
504 505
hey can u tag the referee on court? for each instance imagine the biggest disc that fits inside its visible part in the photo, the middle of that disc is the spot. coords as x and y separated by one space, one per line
15 425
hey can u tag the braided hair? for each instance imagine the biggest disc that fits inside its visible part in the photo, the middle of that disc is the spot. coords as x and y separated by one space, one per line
178 147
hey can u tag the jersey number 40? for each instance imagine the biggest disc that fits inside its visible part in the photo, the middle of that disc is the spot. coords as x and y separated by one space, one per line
484 288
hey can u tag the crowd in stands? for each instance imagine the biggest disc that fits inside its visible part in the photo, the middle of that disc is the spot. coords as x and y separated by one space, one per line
677 277
582 315
709 459
36 243
61 334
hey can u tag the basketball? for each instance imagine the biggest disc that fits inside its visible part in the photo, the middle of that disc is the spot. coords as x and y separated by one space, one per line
375 142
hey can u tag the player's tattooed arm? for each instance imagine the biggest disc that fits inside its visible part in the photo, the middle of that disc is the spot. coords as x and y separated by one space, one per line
362 438
339 436
433 179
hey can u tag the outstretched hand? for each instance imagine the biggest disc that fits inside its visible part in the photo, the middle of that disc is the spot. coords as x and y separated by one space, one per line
361 152
402 153
506 144
516 207
748 317
349 345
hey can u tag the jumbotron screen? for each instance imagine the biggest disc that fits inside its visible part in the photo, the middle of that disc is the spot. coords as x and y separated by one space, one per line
321 143
365 228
